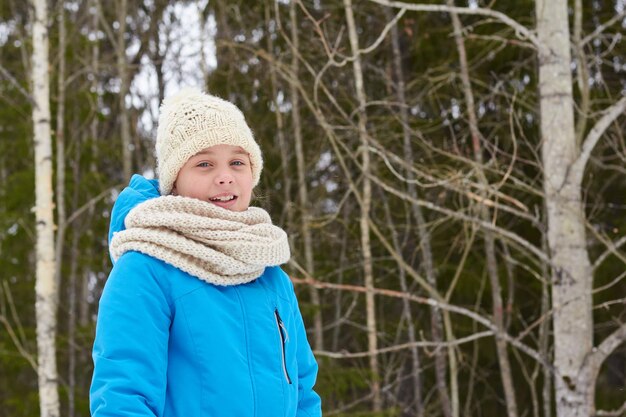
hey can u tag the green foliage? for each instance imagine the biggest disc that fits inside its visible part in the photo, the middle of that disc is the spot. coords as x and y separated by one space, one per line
340 382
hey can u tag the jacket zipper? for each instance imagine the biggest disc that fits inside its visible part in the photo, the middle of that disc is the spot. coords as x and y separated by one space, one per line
284 337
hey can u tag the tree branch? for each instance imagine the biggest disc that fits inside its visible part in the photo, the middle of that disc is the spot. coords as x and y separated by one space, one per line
7 75
426 343
439 304
610 114
608 345
615 413
503 233
374 45
601 28
594 359
20 348
520 30
90 203
107 28
612 249
18 338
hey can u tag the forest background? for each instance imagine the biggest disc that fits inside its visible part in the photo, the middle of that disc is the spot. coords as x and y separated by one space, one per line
451 176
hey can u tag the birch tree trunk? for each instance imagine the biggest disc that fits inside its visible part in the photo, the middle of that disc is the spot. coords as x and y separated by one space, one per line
303 195
45 288
365 210
544 333
582 72
571 269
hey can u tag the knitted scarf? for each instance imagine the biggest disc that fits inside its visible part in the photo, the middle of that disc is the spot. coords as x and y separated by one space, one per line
218 246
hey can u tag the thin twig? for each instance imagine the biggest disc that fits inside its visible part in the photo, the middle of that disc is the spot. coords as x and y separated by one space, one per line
7 75
602 27
520 30
614 413
89 204
610 114
439 304
456 342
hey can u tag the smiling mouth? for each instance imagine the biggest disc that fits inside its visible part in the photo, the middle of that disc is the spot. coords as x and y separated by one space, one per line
223 199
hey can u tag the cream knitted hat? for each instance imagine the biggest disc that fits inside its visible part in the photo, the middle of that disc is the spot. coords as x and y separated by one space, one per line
191 121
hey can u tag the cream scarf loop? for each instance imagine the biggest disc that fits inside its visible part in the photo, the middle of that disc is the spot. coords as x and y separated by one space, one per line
218 246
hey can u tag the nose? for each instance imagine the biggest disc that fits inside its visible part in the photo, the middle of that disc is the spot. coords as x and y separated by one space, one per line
224 177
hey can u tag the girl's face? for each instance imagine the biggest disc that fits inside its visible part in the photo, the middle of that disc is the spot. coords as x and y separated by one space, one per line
220 174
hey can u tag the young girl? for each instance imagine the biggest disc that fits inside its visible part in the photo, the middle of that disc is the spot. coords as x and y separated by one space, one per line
197 319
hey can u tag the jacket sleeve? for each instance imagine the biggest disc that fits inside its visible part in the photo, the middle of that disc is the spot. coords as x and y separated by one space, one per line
130 348
309 402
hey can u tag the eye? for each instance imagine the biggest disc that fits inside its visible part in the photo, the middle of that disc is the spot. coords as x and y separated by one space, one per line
203 165
237 163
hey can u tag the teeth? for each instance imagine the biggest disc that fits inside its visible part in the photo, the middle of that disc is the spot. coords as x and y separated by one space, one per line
223 198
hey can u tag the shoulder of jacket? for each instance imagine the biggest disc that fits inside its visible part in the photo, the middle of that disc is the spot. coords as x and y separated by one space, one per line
133 267
277 280
140 262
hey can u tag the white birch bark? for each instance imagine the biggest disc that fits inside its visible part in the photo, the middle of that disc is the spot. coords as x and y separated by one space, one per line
571 274
544 334
582 72
45 288
365 209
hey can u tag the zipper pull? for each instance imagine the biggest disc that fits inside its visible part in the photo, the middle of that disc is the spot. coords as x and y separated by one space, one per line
284 338
282 325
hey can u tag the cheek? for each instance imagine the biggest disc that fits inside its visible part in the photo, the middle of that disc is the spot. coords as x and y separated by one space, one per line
245 188
187 185
247 185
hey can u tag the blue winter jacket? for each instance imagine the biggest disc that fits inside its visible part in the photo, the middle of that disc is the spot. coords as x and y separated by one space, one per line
168 344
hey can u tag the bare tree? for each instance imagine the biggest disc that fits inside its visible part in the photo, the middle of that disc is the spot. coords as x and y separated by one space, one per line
45 287
94 68
575 358
287 214
303 193
127 66
125 79
60 197
571 275
424 239
366 201
576 361
489 238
